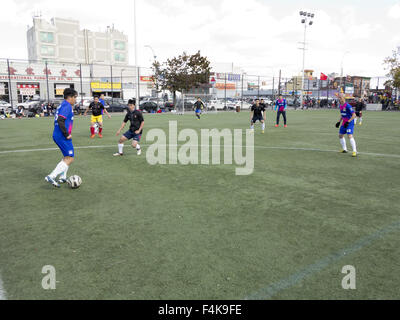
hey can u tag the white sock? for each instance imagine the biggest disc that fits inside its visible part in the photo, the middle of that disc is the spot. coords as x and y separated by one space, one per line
64 174
121 148
355 121
343 143
252 127
263 126
360 120
61 168
138 147
353 144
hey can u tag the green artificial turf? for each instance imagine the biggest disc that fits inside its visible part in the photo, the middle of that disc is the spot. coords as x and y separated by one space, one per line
135 231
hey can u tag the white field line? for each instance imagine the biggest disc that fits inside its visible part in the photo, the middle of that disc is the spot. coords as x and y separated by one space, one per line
255 147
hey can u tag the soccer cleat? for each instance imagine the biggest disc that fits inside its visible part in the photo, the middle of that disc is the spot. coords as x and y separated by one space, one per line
355 154
285 126
139 152
92 136
263 132
51 181
100 136
62 181
343 151
118 154
277 126
360 123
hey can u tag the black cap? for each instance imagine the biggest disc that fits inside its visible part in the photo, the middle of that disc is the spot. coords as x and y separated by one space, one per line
132 101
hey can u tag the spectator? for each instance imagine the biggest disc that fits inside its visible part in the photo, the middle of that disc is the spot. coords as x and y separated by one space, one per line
20 112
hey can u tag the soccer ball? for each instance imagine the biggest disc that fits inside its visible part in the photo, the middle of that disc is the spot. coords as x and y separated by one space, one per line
74 182
96 128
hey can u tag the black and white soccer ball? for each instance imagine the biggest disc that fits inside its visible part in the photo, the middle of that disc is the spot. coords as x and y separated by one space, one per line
74 182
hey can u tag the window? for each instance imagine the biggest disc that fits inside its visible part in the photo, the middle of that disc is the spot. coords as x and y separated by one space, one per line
119 45
119 57
47 37
47 51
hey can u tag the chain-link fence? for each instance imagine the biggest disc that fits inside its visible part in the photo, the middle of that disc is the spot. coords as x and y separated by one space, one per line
23 83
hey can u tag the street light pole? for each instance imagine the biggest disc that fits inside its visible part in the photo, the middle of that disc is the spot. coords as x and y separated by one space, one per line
307 20
122 85
342 72
136 53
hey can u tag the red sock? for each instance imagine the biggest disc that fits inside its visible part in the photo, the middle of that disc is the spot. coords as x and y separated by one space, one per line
92 130
100 130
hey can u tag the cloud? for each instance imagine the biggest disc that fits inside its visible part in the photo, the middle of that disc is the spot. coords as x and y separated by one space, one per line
394 11
253 34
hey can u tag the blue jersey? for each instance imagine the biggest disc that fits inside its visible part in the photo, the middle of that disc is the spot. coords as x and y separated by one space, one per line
64 111
347 112
281 105
104 105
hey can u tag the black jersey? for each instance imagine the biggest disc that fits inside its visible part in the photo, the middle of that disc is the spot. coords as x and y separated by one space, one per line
258 111
97 109
360 106
136 119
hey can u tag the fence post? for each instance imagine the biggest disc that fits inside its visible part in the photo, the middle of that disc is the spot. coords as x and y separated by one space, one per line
112 89
10 97
138 87
242 91
47 82
80 76
225 90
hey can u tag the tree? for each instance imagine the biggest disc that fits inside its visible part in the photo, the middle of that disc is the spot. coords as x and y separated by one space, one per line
392 64
182 73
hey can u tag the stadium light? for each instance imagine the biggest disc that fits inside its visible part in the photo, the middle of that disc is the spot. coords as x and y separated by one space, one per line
307 20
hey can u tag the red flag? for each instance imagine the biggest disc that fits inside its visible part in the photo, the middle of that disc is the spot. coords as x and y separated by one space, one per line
324 77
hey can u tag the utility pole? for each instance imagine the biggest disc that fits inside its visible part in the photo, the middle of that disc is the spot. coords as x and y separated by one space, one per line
10 97
307 21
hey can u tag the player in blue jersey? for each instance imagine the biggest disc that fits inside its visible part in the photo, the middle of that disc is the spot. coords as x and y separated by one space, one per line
101 100
281 106
63 123
346 125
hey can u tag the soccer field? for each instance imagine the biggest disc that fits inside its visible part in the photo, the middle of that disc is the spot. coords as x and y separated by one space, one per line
135 231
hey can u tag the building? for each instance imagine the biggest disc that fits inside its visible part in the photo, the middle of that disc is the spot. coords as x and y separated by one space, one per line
62 40
23 80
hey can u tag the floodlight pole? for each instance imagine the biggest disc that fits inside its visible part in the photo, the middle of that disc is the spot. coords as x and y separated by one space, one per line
304 66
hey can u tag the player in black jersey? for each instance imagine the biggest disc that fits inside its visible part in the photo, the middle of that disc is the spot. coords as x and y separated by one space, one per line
136 129
97 116
258 113
360 105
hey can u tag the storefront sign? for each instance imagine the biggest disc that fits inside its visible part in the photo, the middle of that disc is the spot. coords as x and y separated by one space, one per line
105 86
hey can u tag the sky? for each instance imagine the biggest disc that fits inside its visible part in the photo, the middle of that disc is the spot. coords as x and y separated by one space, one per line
259 36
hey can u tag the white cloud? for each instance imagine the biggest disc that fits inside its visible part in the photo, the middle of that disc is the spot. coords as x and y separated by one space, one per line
251 34
394 11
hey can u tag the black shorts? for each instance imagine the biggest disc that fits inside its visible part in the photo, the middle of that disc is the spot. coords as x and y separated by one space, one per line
359 114
257 118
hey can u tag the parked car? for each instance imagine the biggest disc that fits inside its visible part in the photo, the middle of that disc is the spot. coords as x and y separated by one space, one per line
5 106
116 105
149 107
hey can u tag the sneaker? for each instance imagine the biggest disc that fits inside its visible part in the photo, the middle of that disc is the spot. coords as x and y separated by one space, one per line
92 136
100 136
343 151
285 126
263 132
62 181
355 154
277 126
51 181
139 152
118 154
